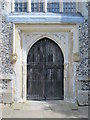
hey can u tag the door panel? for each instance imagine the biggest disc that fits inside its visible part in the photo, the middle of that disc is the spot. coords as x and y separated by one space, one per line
35 84
45 71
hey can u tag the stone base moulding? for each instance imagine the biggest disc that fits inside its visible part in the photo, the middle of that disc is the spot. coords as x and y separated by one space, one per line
6 85
82 97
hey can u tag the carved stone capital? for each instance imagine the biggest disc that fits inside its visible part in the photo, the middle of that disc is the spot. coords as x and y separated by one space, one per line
13 58
76 57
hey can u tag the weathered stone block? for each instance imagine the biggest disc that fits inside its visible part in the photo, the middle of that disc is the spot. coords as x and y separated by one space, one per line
82 97
7 97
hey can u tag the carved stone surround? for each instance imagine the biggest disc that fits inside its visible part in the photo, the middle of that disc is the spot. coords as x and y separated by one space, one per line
58 37
63 36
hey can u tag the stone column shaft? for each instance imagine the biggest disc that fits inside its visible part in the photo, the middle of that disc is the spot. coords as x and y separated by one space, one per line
12 5
14 42
45 6
28 5
61 6
77 6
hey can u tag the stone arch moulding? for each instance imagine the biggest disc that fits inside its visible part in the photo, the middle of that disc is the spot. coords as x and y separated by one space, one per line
56 37
63 38
29 39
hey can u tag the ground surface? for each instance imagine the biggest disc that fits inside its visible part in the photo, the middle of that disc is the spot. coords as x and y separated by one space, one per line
44 109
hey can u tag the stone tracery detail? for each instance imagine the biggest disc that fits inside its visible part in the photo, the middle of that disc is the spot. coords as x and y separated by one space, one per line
60 36
30 36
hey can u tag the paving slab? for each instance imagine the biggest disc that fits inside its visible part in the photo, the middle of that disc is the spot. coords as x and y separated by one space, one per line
44 109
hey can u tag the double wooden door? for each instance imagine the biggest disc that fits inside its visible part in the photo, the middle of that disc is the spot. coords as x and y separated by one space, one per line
45 71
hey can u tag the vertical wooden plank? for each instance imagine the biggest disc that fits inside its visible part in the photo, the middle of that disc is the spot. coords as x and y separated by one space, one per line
46 79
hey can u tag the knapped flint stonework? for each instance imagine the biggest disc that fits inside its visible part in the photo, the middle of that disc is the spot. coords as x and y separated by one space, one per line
83 68
6 38
83 43
5 45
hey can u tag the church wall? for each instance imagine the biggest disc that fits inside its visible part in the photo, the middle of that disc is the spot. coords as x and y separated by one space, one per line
83 69
8 70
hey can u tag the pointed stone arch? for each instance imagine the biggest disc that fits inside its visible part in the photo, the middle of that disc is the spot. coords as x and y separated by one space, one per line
41 36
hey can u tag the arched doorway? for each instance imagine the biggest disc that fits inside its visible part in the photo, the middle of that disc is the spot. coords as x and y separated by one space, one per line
45 71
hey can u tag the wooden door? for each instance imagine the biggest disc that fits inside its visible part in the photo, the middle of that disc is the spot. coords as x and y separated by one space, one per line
45 71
